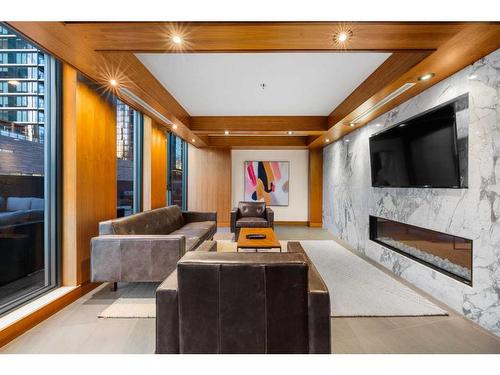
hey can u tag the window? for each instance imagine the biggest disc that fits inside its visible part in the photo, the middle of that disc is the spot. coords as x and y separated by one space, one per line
29 147
177 171
129 159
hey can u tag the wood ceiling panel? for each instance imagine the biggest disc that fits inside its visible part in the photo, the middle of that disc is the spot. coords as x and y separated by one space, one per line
258 142
474 42
300 125
265 36
74 49
418 48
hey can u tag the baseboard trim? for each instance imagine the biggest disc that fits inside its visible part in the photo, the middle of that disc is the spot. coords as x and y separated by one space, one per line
315 225
25 323
291 223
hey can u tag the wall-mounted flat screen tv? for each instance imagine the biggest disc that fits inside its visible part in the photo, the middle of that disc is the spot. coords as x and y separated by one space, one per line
428 150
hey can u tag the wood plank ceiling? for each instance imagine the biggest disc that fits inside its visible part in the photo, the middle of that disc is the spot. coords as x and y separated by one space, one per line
106 50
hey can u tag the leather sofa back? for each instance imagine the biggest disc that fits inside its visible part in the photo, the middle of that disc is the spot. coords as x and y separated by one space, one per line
163 220
255 303
252 209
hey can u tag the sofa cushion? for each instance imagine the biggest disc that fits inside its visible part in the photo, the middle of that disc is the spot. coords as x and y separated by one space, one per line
163 220
209 225
251 222
252 209
37 204
18 204
11 218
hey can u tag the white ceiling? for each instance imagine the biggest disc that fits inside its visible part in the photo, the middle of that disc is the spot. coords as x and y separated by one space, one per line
228 84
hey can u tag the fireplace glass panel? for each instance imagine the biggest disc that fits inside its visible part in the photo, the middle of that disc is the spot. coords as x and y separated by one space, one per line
446 253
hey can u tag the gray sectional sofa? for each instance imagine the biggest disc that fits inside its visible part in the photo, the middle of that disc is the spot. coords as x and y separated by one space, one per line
146 246
18 210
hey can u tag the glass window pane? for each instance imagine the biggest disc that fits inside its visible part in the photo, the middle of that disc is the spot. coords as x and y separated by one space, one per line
26 253
128 127
176 173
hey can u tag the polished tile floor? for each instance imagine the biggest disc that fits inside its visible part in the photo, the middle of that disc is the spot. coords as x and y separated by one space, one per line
76 329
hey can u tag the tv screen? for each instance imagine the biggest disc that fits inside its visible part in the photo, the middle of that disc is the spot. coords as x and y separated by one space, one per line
420 152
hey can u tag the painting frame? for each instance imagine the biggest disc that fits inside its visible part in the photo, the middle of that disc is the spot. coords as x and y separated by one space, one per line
280 174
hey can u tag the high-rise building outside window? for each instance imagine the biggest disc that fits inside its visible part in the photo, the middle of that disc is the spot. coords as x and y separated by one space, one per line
129 159
29 164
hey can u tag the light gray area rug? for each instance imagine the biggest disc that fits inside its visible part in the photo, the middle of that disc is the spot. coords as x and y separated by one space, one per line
357 288
137 300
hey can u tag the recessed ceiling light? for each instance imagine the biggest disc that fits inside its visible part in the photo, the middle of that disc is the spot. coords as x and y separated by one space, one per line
343 36
472 76
226 132
177 39
352 124
426 76
289 132
174 126
378 125
346 140
402 125
113 82
327 140
193 140
14 83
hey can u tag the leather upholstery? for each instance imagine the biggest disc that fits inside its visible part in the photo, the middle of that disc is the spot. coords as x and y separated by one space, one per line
159 221
234 304
252 222
251 215
167 327
243 303
319 306
252 209
146 246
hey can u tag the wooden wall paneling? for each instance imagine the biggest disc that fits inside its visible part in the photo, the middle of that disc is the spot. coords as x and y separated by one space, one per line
316 187
158 166
95 169
69 261
146 163
209 181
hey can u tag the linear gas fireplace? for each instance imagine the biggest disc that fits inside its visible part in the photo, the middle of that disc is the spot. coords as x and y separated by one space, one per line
443 252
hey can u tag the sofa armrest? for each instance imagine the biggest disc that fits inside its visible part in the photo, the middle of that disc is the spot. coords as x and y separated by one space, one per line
167 316
194 216
234 217
270 217
134 258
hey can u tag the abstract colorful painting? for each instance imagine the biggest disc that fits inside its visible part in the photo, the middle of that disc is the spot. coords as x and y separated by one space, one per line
267 181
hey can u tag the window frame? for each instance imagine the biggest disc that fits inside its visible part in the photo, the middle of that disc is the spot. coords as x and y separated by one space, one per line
52 181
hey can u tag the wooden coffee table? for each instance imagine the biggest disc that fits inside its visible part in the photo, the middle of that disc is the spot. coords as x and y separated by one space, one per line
270 242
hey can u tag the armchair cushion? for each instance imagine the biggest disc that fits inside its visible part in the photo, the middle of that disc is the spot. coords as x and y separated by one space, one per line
252 222
252 209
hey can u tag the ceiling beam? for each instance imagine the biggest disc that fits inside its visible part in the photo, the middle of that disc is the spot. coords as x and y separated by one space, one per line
258 142
468 46
265 36
267 125
79 52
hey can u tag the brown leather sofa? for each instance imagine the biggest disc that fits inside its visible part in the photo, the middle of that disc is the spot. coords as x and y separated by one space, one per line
146 246
243 303
251 215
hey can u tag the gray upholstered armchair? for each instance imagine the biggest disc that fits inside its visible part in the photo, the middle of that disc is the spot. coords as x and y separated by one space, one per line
251 215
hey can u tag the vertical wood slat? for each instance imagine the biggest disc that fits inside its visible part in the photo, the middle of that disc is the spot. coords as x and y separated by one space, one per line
89 172
209 181
315 187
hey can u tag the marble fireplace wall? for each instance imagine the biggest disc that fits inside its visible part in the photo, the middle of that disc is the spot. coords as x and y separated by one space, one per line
474 213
